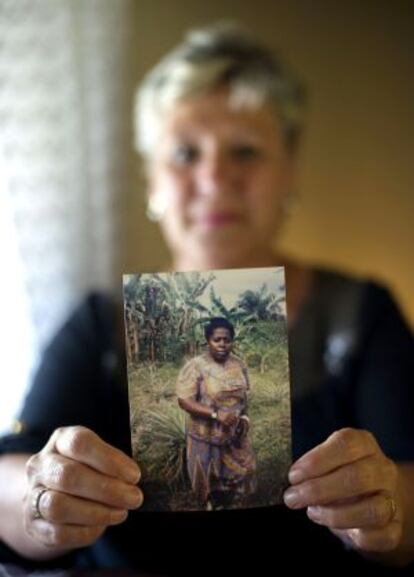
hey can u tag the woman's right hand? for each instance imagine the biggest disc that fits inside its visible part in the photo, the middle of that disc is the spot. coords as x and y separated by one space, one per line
227 419
86 485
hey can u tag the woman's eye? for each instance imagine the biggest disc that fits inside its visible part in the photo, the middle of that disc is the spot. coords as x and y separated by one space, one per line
185 154
246 152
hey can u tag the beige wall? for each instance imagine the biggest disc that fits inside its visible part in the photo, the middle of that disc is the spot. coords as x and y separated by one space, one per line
357 185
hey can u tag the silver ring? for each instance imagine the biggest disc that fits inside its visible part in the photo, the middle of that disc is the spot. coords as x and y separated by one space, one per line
37 514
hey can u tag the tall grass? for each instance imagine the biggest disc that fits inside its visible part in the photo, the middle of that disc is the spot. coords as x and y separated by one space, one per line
163 443
158 427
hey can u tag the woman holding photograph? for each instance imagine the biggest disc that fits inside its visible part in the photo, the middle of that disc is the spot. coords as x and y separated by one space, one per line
219 124
212 389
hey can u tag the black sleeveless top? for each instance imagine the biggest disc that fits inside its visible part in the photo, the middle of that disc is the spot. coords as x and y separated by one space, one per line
352 365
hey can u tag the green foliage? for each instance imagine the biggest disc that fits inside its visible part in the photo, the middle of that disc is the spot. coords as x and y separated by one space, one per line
166 311
169 318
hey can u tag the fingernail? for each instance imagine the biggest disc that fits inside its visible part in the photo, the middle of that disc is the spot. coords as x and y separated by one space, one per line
292 498
133 499
296 476
132 475
118 516
314 513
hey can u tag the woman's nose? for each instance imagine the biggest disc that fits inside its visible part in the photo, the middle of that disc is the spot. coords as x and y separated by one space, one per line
215 175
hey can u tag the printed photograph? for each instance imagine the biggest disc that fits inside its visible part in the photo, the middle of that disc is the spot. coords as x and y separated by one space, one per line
209 391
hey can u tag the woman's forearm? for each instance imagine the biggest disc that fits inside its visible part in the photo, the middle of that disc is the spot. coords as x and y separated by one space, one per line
195 409
12 491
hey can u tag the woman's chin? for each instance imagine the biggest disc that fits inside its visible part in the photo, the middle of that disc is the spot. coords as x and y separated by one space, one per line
203 250
223 256
222 253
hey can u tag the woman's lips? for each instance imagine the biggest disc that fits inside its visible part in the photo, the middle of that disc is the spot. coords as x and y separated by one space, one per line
215 219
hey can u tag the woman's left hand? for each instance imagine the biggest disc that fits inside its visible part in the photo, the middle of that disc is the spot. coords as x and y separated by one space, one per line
243 426
351 487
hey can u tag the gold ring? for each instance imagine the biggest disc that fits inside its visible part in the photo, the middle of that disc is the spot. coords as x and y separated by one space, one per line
37 514
393 505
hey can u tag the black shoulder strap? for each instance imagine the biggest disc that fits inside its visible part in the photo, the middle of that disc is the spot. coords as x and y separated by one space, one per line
327 333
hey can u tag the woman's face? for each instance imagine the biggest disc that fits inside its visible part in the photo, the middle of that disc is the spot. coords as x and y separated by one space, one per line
221 176
220 344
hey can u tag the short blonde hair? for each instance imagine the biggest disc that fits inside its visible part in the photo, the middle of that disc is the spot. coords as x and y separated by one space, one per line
221 55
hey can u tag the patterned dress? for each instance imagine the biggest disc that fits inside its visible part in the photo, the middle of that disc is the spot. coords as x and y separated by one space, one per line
219 459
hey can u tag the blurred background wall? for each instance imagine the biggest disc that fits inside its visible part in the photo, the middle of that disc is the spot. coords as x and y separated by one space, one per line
72 210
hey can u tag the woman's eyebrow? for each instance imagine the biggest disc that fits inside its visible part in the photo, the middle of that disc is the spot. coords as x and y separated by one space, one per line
181 135
247 134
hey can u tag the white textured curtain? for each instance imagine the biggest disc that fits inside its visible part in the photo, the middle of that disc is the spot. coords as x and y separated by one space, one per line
65 88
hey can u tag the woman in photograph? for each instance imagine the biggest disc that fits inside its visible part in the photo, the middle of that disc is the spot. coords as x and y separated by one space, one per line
212 388
219 124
